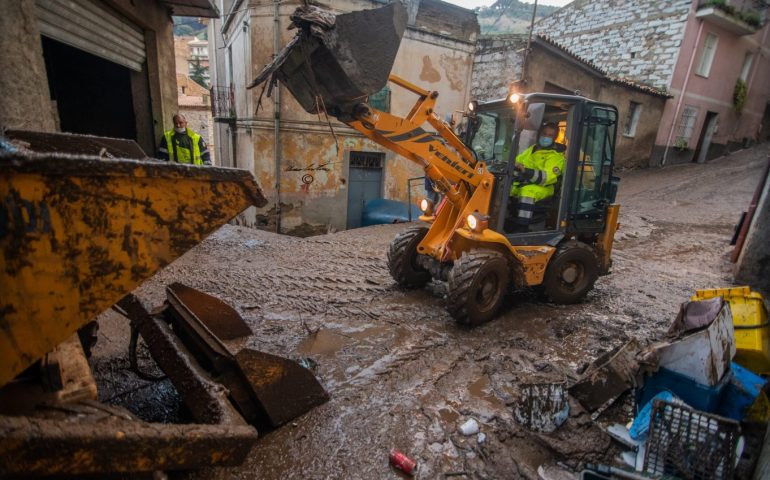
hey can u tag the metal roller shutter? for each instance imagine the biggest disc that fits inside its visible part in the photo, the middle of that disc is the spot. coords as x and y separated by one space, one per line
94 28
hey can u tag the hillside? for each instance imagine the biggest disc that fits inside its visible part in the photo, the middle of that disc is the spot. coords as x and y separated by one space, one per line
189 26
509 16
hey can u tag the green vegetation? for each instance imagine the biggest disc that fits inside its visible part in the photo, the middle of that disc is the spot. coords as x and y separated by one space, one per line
188 26
198 72
750 17
739 95
509 16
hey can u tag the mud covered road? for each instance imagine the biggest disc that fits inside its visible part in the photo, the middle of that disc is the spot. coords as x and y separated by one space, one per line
401 373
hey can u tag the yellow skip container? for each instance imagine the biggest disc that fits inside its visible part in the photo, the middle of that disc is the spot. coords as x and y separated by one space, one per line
752 329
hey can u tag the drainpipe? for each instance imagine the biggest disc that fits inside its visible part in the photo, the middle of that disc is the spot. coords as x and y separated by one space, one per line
682 94
277 117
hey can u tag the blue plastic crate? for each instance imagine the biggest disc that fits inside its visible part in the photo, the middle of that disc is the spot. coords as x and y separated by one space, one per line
697 396
740 393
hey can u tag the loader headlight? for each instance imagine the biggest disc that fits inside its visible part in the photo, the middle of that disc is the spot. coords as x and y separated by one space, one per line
514 98
426 206
472 106
476 222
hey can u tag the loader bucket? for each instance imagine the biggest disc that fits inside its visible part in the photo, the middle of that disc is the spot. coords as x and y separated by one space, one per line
77 233
338 68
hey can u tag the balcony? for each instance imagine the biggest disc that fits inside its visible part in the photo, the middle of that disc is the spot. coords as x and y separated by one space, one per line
222 103
726 16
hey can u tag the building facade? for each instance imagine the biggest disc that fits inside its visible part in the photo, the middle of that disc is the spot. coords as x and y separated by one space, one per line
317 172
500 67
710 56
91 67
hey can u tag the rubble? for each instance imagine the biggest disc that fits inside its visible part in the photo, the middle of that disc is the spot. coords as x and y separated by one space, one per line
398 370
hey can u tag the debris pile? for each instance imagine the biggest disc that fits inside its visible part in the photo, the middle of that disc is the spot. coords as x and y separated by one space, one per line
691 398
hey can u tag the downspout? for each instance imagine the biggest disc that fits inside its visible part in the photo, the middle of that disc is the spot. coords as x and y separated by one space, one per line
277 117
682 94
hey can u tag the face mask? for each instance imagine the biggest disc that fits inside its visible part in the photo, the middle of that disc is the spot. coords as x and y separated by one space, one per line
180 130
545 142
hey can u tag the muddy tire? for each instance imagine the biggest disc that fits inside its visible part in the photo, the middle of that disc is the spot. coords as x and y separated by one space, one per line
571 273
478 283
402 259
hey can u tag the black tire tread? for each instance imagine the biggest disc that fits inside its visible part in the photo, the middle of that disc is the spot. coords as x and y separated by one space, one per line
461 279
399 260
555 296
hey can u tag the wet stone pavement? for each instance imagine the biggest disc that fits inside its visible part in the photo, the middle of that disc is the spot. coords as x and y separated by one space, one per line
401 374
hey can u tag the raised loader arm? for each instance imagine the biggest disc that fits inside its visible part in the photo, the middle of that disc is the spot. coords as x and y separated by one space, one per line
447 161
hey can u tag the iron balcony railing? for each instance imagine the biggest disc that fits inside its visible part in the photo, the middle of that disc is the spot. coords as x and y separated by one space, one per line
222 102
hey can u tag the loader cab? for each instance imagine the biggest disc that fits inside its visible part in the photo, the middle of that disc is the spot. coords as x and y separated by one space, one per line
502 130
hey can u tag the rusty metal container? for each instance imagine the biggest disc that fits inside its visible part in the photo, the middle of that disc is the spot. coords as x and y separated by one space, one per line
77 233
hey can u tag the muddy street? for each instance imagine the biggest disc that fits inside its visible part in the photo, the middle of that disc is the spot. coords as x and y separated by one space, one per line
399 371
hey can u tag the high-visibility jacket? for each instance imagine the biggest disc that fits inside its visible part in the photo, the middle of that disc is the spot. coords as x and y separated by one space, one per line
185 155
542 170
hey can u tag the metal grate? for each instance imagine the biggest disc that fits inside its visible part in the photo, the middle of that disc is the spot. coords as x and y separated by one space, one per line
366 159
690 444
222 102
686 125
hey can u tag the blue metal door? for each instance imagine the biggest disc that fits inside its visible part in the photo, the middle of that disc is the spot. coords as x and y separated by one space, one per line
365 178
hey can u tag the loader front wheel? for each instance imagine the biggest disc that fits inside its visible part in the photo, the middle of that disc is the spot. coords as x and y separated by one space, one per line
571 273
477 285
402 258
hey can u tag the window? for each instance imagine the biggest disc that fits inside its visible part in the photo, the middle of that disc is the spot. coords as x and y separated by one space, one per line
707 55
746 66
381 100
366 159
632 119
595 163
686 125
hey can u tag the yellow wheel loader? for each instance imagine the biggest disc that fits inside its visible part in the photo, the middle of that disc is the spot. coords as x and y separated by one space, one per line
466 241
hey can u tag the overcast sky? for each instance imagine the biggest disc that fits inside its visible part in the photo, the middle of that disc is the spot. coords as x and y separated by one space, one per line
486 3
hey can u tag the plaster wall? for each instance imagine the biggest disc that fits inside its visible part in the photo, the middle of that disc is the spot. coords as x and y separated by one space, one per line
306 145
25 101
714 93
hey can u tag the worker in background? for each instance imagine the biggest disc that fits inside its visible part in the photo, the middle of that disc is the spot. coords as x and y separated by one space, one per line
182 145
537 169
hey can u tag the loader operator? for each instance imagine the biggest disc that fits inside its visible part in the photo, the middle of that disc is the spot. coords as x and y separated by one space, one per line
182 145
537 169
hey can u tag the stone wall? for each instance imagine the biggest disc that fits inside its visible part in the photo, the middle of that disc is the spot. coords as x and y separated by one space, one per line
638 40
496 65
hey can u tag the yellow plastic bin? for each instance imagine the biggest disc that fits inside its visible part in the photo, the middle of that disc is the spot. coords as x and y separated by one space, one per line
752 329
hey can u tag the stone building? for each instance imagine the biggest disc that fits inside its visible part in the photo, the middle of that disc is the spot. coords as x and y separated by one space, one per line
500 67
93 67
316 180
701 52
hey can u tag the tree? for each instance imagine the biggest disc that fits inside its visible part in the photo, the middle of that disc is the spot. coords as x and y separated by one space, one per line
198 73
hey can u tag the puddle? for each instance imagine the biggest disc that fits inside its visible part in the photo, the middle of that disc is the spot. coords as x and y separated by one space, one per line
448 417
480 389
323 342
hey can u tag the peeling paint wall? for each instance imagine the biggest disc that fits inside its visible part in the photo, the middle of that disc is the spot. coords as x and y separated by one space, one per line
311 194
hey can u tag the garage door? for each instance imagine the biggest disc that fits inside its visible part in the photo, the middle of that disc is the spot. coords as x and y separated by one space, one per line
94 28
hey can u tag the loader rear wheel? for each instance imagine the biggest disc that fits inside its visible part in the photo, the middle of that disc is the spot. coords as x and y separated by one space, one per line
402 258
571 273
477 286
